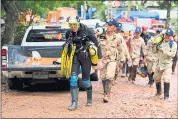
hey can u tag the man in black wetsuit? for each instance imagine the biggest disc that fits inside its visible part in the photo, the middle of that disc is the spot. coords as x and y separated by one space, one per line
79 34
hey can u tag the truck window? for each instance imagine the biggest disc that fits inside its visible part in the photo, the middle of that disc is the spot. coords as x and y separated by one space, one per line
46 35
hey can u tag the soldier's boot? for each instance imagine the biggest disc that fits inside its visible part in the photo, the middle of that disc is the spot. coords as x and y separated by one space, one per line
166 90
134 72
115 79
158 88
106 87
152 80
130 77
109 87
89 96
130 74
74 94
149 78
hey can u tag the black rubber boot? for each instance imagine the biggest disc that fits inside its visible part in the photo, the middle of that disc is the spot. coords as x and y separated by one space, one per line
130 77
106 94
130 73
158 88
89 96
109 86
134 73
149 77
74 94
152 80
166 90
104 86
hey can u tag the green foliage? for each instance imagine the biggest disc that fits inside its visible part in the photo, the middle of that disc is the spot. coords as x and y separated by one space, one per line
3 13
40 7
20 31
174 22
100 13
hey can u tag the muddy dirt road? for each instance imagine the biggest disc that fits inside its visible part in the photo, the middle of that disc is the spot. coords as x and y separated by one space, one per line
128 100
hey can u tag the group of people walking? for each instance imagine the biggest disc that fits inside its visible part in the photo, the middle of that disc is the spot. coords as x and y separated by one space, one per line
113 51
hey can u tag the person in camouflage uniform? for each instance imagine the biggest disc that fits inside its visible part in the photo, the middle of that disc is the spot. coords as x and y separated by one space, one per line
136 43
123 52
150 61
107 65
163 71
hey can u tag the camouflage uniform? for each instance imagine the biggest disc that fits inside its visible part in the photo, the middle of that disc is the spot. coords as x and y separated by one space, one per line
150 61
110 53
163 69
136 45
123 54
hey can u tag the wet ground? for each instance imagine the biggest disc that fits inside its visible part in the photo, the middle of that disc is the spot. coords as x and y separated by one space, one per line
127 100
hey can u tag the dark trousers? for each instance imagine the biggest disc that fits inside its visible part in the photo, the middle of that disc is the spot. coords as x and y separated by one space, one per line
125 68
133 72
174 65
82 60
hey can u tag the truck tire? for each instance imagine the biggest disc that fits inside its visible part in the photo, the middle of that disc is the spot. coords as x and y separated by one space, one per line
80 85
15 84
64 84
94 76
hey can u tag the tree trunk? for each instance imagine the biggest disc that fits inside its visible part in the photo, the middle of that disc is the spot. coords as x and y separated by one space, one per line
10 21
168 13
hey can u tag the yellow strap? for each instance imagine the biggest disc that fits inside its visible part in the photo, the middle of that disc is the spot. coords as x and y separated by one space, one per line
66 62
63 60
70 62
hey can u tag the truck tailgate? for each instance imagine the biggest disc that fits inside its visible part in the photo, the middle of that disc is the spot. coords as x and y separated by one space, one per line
23 59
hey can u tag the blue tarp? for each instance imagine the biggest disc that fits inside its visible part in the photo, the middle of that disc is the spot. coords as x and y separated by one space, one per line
119 15
139 14
128 27
144 14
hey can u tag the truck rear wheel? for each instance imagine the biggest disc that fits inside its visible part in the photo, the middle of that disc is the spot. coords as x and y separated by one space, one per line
94 76
80 85
64 84
14 84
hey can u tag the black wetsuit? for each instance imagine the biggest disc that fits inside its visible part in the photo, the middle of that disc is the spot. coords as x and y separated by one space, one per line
82 58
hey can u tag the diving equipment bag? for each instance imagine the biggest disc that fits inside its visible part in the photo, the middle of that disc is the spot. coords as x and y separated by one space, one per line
67 60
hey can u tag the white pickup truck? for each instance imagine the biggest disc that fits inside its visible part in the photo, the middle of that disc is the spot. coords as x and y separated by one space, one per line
33 60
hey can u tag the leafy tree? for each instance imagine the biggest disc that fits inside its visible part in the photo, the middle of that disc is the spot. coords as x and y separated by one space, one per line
13 8
100 13
168 5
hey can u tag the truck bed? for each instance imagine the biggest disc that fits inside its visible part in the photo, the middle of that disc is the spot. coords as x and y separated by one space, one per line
20 58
